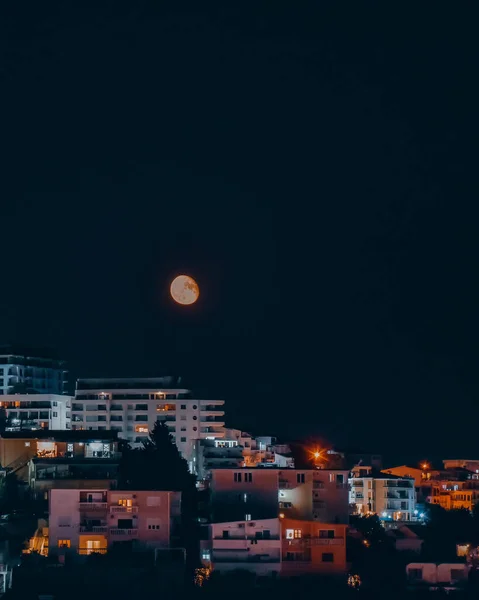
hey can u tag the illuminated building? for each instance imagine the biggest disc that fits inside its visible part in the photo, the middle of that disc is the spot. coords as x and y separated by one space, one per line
36 411
31 371
87 521
132 406
388 496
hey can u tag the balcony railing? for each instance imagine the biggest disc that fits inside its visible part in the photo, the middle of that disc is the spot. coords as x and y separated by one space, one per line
357 484
318 485
285 485
317 541
93 505
127 532
124 509
93 529
92 550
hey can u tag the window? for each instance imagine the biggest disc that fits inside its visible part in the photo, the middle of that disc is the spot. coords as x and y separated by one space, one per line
55 414
245 497
300 477
55 403
183 429
247 517
194 407
141 428
205 555
326 533
327 557
298 534
102 407
195 428
143 418
183 439
183 407
195 418
183 418
27 444
153 523
248 477
415 574
237 477
226 534
141 407
340 478
64 543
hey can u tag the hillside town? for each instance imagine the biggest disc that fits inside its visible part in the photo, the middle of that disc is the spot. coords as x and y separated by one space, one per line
136 475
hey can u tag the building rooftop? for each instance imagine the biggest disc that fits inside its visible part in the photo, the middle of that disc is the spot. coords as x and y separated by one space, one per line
61 435
120 383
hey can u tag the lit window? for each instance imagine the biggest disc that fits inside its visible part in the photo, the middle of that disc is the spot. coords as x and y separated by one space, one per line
289 534
27 444
298 534
141 428
206 555
247 517
245 497
64 543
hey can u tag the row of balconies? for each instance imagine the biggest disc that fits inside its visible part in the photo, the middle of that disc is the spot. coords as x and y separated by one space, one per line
94 505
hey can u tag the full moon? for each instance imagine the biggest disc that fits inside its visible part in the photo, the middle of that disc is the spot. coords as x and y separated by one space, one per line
184 290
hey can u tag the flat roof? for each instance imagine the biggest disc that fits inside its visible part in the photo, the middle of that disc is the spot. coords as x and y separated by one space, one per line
61 435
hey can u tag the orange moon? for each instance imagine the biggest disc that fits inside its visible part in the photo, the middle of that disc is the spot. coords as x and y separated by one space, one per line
184 290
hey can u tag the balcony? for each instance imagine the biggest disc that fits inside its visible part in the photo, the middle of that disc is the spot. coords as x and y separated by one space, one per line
93 529
357 483
317 541
318 485
124 509
89 551
284 484
124 532
93 505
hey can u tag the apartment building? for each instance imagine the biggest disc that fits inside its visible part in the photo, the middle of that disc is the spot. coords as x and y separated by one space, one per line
388 496
254 546
462 463
32 371
132 406
66 459
37 411
83 522
268 547
312 547
263 493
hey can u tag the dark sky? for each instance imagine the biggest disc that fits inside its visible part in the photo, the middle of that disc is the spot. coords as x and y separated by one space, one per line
312 164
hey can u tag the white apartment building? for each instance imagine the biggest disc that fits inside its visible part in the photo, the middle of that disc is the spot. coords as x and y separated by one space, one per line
37 411
388 496
34 371
132 406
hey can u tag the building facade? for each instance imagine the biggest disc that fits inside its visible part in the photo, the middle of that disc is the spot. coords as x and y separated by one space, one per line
83 522
31 371
264 493
388 496
133 406
37 411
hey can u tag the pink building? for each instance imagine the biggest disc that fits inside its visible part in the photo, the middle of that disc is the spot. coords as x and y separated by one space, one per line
265 493
85 522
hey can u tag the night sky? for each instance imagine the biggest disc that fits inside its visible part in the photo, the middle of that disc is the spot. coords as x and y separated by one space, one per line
312 164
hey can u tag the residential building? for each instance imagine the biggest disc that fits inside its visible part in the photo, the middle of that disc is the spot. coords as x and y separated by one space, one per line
132 406
83 522
286 547
407 538
247 545
37 411
462 463
312 547
32 371
215 454
422 479
388 496
66 459
313 494
434 576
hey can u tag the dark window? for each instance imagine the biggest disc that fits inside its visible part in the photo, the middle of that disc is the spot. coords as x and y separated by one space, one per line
125 524
183 439
226 534
195 418
326 533
300 477
183 407
102 407
328 557
55 414
195 428
415 574
237 477
248 477
339 478
141 407
194 407
143 418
